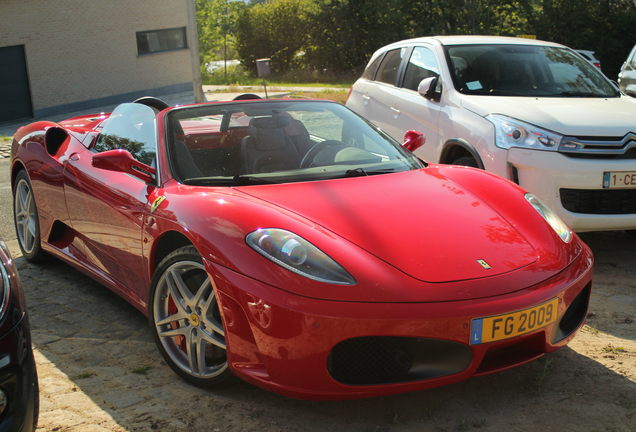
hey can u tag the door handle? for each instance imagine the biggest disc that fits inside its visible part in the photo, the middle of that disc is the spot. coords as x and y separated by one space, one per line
74 157
395 111
366 97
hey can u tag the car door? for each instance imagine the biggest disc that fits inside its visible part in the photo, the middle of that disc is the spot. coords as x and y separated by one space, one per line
379 94
412 111
107 207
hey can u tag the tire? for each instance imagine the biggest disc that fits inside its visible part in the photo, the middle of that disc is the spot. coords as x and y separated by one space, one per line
36 394
468 161
26 218
185 319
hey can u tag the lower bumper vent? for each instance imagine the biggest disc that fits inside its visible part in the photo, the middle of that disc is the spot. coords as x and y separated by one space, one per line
394 359
599 201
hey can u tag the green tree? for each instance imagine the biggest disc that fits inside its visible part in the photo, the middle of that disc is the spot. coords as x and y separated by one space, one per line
603 26
276 30
216 20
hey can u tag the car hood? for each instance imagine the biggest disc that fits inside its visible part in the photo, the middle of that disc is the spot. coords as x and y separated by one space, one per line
570 116
420 222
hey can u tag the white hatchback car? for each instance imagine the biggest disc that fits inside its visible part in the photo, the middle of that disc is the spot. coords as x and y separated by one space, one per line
533 112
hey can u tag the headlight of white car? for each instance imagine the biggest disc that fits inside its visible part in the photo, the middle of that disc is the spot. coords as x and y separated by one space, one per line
514 133
551 218
296 254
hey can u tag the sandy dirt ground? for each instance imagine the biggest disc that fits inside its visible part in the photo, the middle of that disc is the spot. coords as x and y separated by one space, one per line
99 371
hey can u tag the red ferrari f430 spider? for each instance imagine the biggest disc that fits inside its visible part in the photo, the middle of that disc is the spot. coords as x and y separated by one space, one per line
295 245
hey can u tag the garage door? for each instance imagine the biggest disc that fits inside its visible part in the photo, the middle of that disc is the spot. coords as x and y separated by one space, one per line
15 96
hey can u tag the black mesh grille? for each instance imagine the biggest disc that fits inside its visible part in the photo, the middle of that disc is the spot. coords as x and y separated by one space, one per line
370 357
599 201
388 359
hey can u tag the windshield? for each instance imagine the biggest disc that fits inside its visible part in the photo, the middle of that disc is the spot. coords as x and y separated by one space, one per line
280 141
524 70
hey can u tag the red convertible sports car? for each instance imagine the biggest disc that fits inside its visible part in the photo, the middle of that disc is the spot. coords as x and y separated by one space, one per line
293 244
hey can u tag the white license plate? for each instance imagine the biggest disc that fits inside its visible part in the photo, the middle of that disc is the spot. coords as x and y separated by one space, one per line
619 180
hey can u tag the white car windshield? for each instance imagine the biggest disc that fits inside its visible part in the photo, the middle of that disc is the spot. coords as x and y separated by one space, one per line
277 141
524 70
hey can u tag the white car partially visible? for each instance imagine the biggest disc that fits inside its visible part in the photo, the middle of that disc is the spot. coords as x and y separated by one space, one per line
590 57
533 112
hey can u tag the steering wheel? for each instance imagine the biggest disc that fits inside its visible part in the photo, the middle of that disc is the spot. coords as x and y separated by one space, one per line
317 148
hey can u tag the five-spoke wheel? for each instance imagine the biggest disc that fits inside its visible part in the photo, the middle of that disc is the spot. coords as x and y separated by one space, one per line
27 224
186 319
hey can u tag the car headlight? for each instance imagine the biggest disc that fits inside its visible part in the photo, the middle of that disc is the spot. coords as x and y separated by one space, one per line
298 255
551 218
514 133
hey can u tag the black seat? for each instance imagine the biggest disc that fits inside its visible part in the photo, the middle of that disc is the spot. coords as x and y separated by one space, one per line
184 164
299 135
266 148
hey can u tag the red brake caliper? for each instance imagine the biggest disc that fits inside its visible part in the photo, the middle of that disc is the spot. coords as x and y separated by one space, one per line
180 339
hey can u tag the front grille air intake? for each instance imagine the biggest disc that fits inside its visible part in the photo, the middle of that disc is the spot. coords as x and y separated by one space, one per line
599 201
394 359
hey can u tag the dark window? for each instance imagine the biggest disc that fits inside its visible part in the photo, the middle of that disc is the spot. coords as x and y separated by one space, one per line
422 64
388 70
154 41
369 72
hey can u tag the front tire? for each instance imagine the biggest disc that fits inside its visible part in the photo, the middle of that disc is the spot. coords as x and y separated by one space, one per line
468 161
27 222
186 321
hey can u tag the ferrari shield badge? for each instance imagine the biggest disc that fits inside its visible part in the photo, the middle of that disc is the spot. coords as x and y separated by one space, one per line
156 203
484 264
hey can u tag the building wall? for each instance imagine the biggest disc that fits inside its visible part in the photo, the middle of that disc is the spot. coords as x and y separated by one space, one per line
79 51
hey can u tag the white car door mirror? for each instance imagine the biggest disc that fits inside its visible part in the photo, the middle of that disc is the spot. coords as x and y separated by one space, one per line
428 88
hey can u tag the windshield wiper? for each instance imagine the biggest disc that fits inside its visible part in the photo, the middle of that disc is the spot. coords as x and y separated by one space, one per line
237 180
581 94
359 172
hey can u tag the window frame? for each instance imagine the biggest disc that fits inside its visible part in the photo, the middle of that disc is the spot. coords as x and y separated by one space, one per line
159 31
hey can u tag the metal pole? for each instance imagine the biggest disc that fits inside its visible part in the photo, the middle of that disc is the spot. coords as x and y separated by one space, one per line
194 51
265 87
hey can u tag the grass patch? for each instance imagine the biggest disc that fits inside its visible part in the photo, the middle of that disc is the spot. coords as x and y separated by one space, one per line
591 329
612 349
143 370
339 96
538 380
85 375
301 77
255 413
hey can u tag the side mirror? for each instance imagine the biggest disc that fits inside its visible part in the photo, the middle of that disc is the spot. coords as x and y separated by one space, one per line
413 140
428 88
630 90
122 161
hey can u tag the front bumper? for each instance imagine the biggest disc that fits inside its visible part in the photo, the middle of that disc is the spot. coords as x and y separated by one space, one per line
292 345
545 173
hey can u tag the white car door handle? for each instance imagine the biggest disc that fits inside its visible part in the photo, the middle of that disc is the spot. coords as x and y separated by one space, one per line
366 98
395 111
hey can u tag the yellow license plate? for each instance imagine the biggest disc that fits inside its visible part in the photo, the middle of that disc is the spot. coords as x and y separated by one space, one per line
505 326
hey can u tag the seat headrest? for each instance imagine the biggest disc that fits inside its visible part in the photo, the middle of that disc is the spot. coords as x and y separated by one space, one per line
276 122
268 132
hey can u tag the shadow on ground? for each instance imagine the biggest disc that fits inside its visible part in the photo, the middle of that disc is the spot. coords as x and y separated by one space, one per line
99 370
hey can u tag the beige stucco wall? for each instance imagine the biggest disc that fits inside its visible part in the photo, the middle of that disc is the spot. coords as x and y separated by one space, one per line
78 50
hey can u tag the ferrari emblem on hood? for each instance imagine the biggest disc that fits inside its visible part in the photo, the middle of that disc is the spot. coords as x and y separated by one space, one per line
484 264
